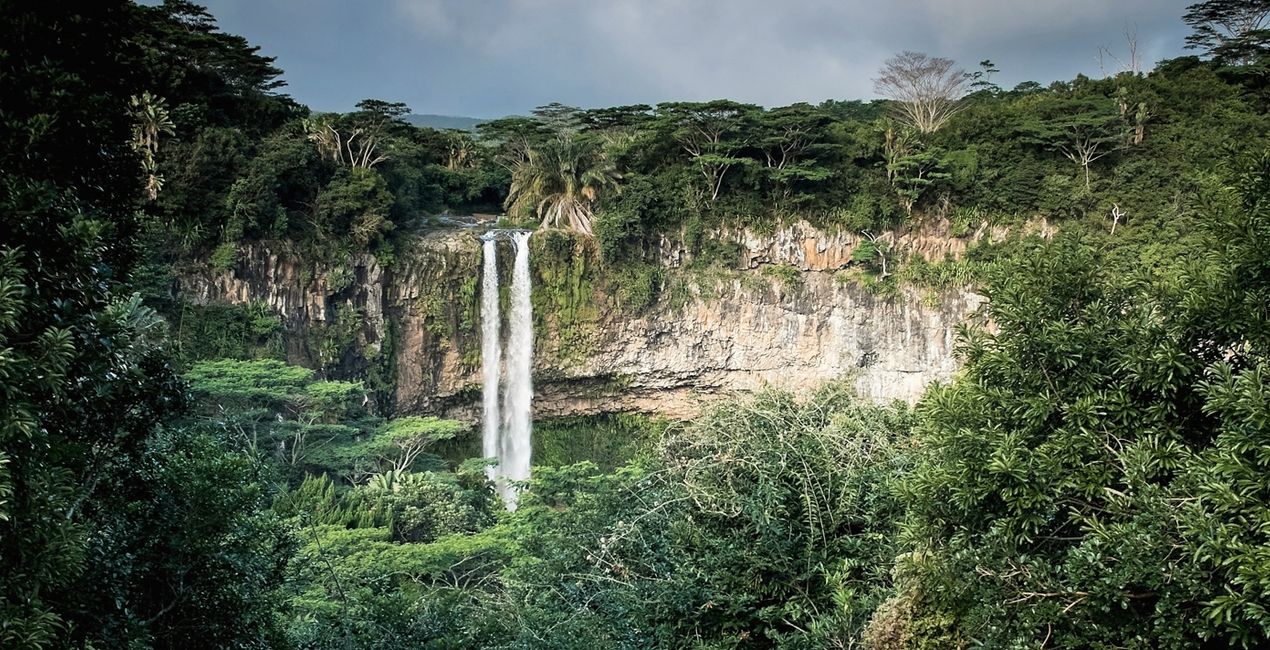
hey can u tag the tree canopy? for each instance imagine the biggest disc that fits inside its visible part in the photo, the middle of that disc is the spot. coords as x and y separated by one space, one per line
1096 475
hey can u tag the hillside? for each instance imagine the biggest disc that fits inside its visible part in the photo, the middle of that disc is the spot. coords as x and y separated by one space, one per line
443 122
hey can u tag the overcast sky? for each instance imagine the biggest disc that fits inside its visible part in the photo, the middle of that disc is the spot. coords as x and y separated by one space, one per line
488 58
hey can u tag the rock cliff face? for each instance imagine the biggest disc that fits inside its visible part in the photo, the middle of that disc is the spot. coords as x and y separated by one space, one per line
417 323
744 335
808 248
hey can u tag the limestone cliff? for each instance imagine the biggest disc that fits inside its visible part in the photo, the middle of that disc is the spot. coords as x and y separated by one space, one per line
702 337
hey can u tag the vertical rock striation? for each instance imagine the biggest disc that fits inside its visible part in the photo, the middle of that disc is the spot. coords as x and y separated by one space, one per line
420 319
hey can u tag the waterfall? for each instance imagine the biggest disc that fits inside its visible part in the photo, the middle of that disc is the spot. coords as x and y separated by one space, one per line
507 438
515 450
491 350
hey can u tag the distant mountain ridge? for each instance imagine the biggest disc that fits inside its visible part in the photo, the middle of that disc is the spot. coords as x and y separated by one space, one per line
443 122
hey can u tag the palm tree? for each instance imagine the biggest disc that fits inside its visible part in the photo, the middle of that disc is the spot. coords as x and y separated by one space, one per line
150 119
560 181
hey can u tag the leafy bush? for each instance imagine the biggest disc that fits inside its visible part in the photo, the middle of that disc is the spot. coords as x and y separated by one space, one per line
789 277
424 507
394 445
753 523
261 380
1084 467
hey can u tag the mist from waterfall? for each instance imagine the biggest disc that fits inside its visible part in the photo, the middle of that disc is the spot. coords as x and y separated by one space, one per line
491 352
516 448
506 433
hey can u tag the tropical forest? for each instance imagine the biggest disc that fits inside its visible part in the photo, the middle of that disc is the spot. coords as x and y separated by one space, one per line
943 363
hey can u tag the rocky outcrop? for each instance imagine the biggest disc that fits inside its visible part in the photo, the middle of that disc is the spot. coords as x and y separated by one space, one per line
416 322
808 248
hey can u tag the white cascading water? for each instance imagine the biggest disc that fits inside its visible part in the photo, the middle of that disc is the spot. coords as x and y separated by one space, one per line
515 449
491 351
507 438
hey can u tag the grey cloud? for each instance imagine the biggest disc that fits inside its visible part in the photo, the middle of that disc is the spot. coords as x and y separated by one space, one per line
492 57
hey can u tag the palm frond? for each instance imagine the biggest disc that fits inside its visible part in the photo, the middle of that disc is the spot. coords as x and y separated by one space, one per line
560 183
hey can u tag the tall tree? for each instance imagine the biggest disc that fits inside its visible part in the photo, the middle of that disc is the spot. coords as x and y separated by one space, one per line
559 118
80 384
926 90
712 133
208 77
1231 31
511 138
1228 307
151 119
981 79
1082 130
1097 466
913 173
362 139
93 552
790 138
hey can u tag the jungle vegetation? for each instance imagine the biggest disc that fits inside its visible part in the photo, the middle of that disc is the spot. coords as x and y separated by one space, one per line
1098 476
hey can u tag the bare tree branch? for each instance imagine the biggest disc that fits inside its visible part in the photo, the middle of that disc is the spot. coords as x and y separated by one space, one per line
927 90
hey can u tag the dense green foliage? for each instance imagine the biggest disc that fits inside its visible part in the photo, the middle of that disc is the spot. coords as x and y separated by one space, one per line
610 440
1096 477
115 530
1093 479
770 523
253 165
1083 469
